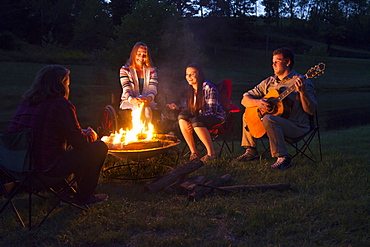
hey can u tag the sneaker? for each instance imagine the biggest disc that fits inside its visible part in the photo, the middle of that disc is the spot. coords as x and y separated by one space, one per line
207 158
283 162
94 199
250 154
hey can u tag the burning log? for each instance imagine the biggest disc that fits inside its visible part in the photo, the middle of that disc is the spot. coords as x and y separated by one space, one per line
203 190
174 176
139 145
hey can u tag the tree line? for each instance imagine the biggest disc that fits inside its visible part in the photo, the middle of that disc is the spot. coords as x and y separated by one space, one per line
115 25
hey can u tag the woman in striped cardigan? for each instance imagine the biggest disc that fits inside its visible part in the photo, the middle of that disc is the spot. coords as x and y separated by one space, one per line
139 82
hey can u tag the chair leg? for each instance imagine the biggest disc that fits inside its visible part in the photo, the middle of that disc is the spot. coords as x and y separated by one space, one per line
59 195
9 198
319 143
224 144
29 210
232 140
266 148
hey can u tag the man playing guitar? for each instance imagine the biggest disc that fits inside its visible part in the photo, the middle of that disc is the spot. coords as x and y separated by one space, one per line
265 115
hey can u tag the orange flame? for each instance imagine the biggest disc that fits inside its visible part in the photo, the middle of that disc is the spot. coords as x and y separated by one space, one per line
140 131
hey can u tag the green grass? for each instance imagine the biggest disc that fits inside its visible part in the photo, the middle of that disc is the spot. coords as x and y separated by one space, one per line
328 205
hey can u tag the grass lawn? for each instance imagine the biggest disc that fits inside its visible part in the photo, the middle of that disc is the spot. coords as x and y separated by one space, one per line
328 205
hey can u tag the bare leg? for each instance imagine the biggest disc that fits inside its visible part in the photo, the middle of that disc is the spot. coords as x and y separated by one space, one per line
205 138
146 116
187 132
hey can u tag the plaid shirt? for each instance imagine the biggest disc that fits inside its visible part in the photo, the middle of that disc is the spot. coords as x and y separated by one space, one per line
54 124
212 106
297 115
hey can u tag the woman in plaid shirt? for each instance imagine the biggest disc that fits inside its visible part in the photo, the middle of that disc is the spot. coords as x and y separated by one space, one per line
203 111
46 110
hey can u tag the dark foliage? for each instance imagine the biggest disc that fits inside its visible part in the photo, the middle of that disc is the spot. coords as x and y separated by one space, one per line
89 25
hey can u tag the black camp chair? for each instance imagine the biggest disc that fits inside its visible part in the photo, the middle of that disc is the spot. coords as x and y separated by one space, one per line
20 175
302 145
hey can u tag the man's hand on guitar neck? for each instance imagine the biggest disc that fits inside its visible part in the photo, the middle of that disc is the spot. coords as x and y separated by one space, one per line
308 105
300 84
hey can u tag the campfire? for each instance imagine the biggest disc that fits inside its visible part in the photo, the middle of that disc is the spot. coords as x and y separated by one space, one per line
140 138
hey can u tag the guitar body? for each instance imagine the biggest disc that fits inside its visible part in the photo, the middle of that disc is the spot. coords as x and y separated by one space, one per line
253 115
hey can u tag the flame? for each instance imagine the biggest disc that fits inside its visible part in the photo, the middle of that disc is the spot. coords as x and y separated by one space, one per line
141 130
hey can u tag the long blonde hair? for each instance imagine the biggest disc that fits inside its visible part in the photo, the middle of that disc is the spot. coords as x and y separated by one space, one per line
131 62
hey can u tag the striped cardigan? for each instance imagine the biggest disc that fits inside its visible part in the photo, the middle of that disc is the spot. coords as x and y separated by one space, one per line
130 85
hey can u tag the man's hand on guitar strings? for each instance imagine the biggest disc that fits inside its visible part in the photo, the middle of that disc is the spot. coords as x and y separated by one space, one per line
264 105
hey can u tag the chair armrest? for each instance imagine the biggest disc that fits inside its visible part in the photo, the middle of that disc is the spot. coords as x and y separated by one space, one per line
234 108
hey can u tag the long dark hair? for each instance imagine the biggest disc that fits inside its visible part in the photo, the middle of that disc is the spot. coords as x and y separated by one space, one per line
50 82
194 108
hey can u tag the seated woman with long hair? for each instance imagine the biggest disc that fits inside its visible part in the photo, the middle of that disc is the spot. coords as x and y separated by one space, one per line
60 146
139 82
203 110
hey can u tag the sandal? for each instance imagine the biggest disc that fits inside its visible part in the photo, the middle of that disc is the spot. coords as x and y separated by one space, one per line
207 158
193 156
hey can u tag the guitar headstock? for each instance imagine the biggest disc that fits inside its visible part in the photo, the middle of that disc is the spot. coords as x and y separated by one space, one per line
315 71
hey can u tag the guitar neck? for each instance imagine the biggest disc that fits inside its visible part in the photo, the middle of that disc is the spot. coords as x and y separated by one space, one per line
288 91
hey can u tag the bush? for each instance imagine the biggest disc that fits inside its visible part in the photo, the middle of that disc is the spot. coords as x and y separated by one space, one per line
9 42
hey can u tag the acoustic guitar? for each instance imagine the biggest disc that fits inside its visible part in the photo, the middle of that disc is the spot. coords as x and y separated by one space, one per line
253 115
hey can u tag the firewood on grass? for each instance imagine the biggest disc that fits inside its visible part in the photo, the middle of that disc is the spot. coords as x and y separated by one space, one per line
174 176
201 191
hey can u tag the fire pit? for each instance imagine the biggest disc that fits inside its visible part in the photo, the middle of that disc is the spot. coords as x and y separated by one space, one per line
137 165
136 146
140 141
140 150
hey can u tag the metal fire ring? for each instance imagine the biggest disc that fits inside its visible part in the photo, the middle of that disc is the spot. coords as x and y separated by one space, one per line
137 158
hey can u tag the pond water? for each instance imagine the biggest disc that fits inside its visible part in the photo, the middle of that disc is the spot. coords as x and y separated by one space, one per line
343 109
337 110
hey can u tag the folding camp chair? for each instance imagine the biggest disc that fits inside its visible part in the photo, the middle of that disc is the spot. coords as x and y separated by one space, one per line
221 132
302 145
16 162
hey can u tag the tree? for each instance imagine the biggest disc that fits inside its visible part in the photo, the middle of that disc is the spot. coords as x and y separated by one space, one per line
358 22
118 9
243 8
184 7
219 8
272 11
31 20
93 27
165 31
159 25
